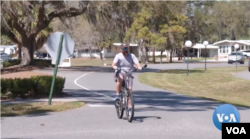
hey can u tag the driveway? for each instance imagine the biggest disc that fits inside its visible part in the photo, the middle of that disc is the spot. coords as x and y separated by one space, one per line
159 114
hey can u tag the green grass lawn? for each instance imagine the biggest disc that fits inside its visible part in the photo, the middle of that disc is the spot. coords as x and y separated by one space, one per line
89 62
215 83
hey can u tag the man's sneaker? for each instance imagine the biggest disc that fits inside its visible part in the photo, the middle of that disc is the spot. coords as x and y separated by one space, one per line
129 111
116 97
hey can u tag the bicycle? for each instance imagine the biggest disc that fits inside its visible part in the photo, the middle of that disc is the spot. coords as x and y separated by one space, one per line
124 96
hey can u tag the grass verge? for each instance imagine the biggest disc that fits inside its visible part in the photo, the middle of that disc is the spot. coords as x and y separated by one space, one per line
89 62
216 83
37 108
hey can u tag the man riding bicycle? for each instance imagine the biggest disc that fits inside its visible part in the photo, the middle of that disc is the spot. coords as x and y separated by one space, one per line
126 62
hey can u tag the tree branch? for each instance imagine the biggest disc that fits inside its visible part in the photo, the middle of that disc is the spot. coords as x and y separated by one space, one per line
71 12
41 17
14 18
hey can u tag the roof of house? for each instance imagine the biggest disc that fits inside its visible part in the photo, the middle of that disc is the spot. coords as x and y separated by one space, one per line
232 42
201 46
131 44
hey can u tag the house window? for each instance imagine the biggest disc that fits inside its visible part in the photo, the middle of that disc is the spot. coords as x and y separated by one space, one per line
220 49
223 49
226 49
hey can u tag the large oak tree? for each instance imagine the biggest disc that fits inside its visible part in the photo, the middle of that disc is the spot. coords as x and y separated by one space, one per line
29 18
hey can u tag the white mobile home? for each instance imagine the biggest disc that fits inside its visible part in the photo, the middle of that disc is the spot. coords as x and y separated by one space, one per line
8 49
115 48
226 47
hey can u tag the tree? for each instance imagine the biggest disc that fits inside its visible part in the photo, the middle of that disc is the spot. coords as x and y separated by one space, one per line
156 20
119 14
5 40
140 31
230 20
35 17
197 23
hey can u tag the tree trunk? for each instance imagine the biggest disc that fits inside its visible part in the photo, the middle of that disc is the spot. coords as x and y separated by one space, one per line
101 56
147 57
167 58
90 52
128 41
171 52
143 54
28 51
26 59
161 56
19 50
182 54
153 54
179 54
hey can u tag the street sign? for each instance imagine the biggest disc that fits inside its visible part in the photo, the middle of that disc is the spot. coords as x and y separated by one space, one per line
53 45
60 46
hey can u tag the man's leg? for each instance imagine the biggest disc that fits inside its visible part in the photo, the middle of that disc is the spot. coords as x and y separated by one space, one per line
118 85
130 84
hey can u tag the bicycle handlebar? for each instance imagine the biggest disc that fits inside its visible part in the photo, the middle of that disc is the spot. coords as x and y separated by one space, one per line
134 69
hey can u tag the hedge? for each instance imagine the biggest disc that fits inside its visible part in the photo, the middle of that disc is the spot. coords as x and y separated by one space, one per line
36 62
39 85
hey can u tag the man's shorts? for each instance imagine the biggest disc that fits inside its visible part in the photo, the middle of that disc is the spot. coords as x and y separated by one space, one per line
128 79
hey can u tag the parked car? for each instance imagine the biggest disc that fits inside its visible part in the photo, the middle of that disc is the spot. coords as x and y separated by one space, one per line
246 53
4 57
236 57
43 55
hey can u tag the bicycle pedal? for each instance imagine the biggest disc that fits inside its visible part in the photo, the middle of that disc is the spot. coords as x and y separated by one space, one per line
117 103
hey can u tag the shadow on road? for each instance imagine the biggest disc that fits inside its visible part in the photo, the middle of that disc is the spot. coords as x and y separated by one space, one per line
140 119
151 100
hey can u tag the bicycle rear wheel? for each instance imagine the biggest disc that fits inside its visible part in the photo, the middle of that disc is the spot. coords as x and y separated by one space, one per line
119 107
130 115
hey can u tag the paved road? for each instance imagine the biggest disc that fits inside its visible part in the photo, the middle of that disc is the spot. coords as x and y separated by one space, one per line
159 114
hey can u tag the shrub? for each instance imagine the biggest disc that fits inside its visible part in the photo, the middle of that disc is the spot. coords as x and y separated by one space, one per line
42 62
6 64
11 63
36 62
40 85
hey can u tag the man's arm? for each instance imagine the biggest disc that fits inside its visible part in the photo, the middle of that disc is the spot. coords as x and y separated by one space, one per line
115 62
136 62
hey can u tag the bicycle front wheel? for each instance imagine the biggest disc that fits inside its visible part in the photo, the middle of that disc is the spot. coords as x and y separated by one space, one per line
130 113
119 108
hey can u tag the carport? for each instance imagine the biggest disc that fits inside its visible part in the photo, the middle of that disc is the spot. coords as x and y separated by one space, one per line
202 51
